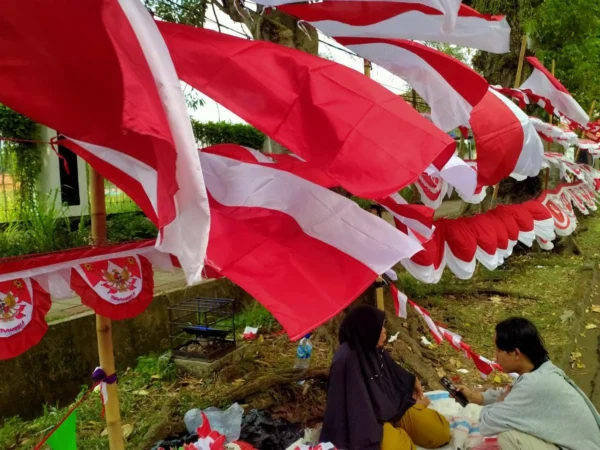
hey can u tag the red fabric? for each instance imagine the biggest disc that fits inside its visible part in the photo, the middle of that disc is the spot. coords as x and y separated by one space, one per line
431 186
433 250
267 253
562 221
18 343
92 83
537 210
283 162
501 231
420 213
337 119
468 83
499 138
553 80
521 214
460 238
484 228
18 264
509 221
126 310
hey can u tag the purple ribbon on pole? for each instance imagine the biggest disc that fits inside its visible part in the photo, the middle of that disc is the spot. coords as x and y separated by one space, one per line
99 376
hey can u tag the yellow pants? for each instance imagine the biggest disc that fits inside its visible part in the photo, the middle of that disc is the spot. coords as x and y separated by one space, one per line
419 426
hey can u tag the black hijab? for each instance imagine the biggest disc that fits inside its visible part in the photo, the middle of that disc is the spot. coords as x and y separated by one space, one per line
366 386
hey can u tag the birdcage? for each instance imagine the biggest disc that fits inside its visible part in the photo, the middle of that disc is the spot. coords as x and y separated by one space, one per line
202 328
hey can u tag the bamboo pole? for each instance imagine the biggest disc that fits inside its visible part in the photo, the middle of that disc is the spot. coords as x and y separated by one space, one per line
103 324
367 68
517 84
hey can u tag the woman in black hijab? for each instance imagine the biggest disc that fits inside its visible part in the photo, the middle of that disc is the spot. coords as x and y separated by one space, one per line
372 402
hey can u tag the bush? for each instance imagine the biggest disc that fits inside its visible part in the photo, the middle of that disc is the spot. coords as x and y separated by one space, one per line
129 227
213 133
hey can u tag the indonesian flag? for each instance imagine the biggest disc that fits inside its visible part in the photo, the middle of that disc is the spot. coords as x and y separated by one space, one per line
543 83
433 328
301 250
416 217
460 246
484 229
335 118
564 223
118 288
450 87
400 302
23 308
399 20
428 264
100 73
506 140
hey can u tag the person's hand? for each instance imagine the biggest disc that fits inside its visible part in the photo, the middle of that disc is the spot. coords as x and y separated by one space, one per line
504 394
418 393
472 396
426 401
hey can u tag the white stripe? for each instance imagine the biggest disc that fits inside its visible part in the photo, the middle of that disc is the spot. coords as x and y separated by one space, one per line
539 84
448 108
474 32
413 224
402 300
460 175
426 274
462 269
187 235
321 213
136 169
260 157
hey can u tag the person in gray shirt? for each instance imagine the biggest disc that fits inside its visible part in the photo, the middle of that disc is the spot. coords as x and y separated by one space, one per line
543 409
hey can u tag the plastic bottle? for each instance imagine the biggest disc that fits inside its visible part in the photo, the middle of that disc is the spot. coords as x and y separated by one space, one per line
303 353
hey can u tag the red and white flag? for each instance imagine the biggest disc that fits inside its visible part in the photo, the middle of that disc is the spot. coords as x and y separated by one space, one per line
23 308
433 328
400 302
109 85
335 118
398 20
301 250
450 87
506 140
416 217
117 288
543 83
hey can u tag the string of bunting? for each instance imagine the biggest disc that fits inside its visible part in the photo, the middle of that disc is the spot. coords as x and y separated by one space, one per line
441 334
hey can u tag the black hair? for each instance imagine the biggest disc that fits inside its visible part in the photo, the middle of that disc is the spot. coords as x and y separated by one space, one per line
519 333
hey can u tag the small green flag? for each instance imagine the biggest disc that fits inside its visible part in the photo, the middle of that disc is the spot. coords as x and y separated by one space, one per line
64 438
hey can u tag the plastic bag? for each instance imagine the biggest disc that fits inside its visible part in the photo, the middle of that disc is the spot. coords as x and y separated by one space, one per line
262 431
228 422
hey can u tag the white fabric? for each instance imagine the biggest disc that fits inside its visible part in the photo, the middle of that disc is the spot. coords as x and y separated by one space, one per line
461 176
527 237
260 156
544 229
448 108
321 213
426 274
539 84
490 262
439 190
413 224
402 300
491 36
462 269
187 235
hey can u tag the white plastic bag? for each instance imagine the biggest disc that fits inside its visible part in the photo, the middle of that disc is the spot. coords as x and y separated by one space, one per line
228 422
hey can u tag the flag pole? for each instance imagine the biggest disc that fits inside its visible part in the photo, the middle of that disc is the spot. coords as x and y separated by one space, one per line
517 84
379 282
103 324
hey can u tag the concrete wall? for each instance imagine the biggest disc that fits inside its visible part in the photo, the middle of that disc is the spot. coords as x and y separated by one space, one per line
54 371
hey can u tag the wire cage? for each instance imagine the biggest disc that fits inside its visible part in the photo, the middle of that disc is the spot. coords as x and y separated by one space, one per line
202 328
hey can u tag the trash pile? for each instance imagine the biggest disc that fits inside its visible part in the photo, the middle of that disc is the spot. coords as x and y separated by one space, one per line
213 429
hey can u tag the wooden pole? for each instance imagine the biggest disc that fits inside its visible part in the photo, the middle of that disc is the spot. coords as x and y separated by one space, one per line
517 84
103 324
547 178
414 99
367 68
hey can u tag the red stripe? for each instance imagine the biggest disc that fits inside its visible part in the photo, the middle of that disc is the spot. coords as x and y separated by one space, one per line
355 13
499 138
17 264
302 281
433 250
467 11
471 86
539 66
485 232
334 117
420 213
460 238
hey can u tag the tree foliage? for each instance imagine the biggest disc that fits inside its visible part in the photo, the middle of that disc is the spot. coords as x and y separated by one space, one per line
213 133
569 33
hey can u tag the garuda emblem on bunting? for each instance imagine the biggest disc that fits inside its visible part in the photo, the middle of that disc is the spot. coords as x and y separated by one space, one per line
118 288
23 308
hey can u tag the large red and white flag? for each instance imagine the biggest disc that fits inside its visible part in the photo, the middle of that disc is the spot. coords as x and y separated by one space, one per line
450 87
107 82
506 140
543 83
301 250
335 118
399 20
